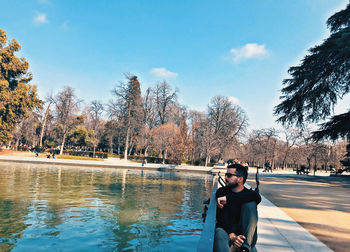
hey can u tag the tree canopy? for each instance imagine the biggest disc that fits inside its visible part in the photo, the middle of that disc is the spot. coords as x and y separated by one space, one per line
319 81
17 97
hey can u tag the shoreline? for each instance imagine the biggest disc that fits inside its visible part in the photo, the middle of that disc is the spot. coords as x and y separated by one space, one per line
111 163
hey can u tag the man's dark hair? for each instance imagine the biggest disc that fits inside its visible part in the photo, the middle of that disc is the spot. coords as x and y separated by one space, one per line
241 171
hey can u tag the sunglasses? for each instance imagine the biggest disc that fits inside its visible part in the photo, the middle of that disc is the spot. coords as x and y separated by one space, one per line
229 175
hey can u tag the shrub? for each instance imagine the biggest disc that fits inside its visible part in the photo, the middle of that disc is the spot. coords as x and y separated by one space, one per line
114 155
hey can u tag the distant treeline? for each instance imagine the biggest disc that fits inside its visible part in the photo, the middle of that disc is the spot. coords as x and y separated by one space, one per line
150 126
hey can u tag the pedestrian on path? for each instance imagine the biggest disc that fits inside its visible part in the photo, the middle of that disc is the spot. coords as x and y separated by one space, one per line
268 167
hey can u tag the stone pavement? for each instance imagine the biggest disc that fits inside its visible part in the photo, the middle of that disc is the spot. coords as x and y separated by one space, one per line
279 232
107 163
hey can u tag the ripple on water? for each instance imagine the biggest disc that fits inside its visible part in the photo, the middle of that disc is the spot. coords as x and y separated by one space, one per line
68 209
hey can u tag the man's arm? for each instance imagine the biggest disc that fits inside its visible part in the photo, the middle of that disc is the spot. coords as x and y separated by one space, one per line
247 196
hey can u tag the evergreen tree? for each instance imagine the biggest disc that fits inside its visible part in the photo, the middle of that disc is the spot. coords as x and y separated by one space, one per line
319 81
126 107
17 97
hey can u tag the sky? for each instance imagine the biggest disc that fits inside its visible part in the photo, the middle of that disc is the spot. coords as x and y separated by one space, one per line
235 48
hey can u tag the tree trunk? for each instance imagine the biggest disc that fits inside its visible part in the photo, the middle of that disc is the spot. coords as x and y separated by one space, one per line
146 151
309 163
44 124
126 144
285 159
111 145
163 155
131 147
207 160
62 145
17 143
315 167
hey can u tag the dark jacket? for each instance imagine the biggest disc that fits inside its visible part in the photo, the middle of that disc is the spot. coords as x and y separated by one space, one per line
230 214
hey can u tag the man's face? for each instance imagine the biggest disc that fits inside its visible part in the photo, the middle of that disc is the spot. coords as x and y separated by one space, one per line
230 178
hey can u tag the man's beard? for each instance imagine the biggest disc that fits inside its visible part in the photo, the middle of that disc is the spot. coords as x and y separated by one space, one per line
231 185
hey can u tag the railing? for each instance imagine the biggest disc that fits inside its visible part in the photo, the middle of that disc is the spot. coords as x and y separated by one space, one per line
206 241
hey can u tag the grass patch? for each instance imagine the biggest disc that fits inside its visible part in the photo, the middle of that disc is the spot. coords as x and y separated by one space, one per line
43 155
114 155
77 157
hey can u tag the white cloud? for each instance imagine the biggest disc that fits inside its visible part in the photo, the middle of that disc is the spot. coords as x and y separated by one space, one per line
234 100
163 73
40 18
250 50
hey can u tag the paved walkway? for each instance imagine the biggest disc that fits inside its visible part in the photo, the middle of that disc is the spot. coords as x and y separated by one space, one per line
279 232
108 163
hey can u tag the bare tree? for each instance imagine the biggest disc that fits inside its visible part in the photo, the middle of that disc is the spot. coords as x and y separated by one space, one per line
67 106
270 135
96 110
193 137
292 138
149 108
166 139
148 122
208 141
164 98
227 121
49 99
26 130
256 148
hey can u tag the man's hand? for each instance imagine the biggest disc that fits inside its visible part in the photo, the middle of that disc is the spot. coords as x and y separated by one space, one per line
221 201
232 236
239 240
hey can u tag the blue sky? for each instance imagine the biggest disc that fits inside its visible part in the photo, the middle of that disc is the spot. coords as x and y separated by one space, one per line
238 48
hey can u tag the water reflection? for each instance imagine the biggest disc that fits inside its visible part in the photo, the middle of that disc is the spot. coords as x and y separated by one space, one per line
72 209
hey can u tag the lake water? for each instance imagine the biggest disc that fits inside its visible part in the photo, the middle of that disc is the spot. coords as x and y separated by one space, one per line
54 208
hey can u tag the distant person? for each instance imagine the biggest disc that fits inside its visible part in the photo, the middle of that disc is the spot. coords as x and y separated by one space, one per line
53 156
36 154
236 215
48 156
268 167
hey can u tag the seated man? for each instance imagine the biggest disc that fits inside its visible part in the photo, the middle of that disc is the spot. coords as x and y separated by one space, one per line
236 214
